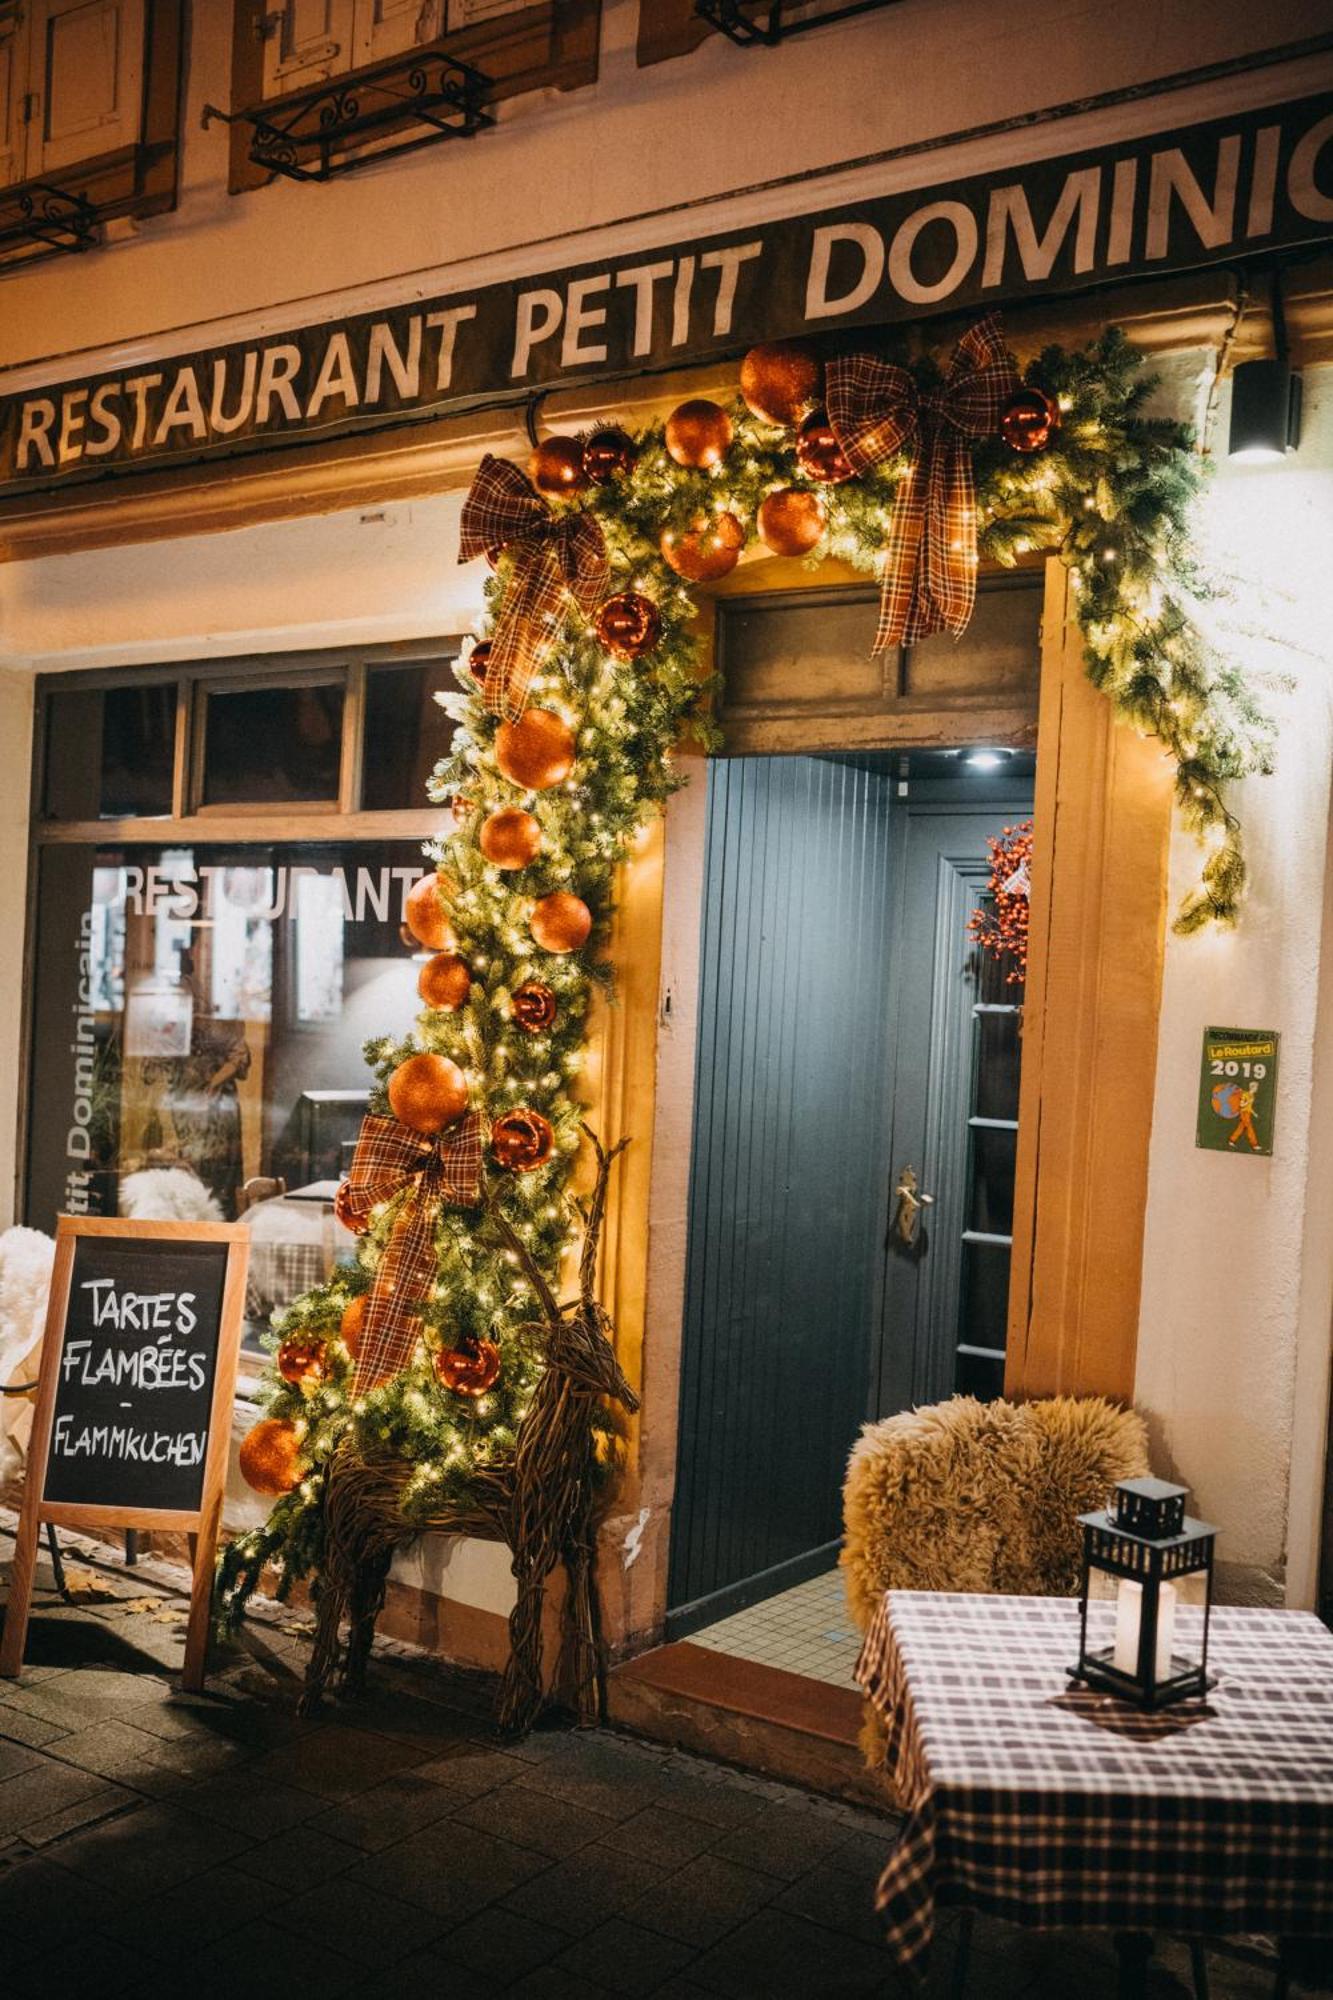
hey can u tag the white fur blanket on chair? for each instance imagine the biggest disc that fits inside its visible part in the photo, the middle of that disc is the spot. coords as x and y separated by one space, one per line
25 1281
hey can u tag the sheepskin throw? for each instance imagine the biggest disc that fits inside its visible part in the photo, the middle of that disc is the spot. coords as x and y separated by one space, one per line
167 1194
981 1496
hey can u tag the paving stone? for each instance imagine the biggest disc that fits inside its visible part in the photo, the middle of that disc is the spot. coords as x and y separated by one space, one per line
297 1859
75 1699
549 1982
712 1800
603 1779
336 1762
15 1757
704 1900
107 1802
252 1805
777 1953
387 1812
44 1789
148 1849
532 1819
782 1841
17 1726
837 1897
262 1961
665 1838
92 1969
579 1894
427 1974
502 1945
625 1958
37 1898
359 1923
470 1769
111 1750
175 1922
448 1870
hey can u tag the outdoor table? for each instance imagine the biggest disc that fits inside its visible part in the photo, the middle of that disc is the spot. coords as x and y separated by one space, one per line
1057 1807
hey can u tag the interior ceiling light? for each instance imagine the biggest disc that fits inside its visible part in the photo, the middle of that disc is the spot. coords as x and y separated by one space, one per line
1266 400
984 760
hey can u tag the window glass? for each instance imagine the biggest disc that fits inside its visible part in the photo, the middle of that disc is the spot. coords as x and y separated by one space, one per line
406 734
110 752
272 745
199 1017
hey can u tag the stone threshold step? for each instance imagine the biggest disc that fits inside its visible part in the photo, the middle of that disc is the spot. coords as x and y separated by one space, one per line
759 1718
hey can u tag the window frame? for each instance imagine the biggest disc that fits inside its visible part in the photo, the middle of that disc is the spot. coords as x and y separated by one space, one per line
138 179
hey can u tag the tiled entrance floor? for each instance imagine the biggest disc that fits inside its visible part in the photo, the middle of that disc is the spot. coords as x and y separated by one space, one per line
805 1630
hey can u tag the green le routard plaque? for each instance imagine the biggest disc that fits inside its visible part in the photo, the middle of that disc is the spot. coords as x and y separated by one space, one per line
1237 1090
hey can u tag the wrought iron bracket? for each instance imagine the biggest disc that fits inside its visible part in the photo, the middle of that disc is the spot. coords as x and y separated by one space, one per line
306 139
42 214
767 23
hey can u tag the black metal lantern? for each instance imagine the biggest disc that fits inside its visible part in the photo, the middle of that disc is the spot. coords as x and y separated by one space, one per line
1148 1543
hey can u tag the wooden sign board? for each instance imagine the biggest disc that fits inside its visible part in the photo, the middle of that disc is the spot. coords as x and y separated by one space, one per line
134 1399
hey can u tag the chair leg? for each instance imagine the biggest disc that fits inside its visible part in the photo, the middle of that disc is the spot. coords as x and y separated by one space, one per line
1133 1950
963 1955
131 1547
1199 1969
57 1564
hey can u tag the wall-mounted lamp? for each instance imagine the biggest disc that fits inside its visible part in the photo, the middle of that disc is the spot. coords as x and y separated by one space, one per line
1266 400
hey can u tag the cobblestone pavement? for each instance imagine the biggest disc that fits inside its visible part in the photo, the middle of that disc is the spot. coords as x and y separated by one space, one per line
158 1843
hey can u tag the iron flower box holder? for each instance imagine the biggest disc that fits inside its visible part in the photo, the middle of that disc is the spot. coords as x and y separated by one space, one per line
1146 1542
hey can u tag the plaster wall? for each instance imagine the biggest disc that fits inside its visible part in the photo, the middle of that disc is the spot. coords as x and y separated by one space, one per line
1238 1254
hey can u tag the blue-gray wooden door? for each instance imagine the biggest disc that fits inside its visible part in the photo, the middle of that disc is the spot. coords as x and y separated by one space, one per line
789 1171
847 1029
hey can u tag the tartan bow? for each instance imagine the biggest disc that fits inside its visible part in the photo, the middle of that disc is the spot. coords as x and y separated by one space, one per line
389 1158
875 408
554 556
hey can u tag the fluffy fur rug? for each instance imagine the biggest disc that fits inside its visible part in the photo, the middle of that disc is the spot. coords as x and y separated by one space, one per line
167 1194
981 1496
25 1280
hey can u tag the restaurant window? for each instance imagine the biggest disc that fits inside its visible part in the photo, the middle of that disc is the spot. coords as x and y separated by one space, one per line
223 857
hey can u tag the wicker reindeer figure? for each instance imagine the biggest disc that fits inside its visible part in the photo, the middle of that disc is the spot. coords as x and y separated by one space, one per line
541 1501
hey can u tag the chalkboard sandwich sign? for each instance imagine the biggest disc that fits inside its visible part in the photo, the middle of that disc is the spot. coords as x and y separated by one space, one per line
134 1398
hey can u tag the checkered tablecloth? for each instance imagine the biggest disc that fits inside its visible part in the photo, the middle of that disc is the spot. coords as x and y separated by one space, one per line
1056 1807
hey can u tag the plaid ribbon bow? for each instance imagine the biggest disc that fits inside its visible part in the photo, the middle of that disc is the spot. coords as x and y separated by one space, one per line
875 408
389 1158
555 556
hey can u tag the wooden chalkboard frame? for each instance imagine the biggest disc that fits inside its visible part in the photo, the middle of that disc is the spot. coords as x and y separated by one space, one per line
202 1525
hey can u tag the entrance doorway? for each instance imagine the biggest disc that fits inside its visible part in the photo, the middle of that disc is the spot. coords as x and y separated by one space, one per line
855 1131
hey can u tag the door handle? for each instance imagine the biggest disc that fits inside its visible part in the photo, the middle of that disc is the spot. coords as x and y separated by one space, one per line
909 1205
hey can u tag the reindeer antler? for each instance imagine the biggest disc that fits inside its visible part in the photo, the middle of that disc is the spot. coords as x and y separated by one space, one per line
596 1210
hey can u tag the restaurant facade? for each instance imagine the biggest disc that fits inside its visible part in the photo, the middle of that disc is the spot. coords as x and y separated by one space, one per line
869 1167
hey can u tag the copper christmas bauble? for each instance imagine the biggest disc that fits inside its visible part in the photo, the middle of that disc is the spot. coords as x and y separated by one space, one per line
444 981
629 625
698 433
521 1140
533 1006
352 1324
537 751
560 922
608 454
781 380
510 839
469 1369
818 452
556 467
477 661
427 917
709 549
301 1360
1030 420
791 522
270 1456
428 1093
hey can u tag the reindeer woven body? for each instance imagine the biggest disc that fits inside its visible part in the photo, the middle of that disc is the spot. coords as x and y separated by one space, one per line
541 1501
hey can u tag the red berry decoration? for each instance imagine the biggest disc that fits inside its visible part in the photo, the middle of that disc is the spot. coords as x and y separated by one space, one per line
521 1140
629 625
609 454
301 1361
1030 420
477 661
818 452
533 1007
469 1369
556 467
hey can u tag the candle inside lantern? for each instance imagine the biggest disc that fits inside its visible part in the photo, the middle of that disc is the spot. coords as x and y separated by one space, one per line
1128 1620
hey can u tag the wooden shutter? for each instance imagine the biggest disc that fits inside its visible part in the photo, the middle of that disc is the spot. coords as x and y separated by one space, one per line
13 44
86 77
307 41
394 27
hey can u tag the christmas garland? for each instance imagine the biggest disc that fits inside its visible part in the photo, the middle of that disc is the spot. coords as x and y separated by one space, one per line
1077 468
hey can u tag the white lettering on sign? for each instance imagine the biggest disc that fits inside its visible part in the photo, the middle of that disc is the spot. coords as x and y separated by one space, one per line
127 1443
